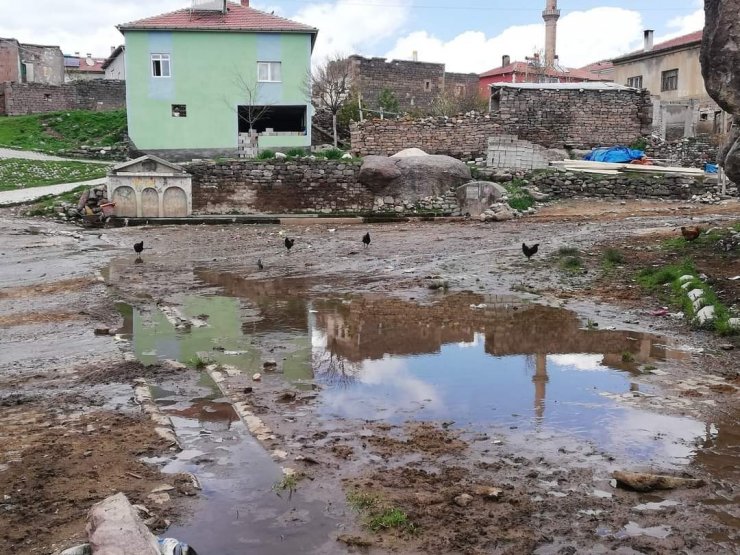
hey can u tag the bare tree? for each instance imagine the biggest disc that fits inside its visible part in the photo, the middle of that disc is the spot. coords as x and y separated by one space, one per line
330 86
251 112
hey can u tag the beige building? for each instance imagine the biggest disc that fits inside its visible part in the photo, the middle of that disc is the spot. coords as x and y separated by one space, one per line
671 71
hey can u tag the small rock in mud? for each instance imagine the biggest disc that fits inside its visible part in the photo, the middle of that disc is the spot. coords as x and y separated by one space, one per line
102 331
354 540
248 390
342 451
642 482
257 377
286 397
463 500
269 365
488 492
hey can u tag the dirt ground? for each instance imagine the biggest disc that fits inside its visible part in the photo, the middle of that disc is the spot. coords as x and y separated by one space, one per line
70 434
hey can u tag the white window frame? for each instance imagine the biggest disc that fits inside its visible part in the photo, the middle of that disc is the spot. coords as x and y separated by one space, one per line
635 82
161 58
270 72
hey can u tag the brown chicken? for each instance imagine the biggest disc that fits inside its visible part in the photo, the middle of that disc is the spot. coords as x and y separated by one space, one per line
690 233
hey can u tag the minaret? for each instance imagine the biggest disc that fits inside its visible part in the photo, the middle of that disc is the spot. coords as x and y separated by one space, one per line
551 16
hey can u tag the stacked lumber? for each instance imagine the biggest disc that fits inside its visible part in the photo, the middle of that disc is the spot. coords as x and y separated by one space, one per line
609 168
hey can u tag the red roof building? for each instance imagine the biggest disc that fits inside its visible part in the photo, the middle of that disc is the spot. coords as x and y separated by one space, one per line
533 72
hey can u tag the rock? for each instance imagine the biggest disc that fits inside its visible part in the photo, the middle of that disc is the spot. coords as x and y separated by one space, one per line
280 155
734 323
408 152
643 482
720 66
463 500
102 331
269 365
685 278
257 377
162 488
159 498
346 156
488 492
113 527
695 294
705 315
437 284
84 549
413 178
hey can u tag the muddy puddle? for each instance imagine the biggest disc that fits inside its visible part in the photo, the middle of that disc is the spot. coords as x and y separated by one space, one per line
524 374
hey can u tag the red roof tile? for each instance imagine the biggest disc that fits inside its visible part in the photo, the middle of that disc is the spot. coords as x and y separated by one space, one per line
683 40
524 67
236 18
95 65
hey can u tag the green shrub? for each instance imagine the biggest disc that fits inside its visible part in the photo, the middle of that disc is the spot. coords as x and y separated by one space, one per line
333 154
265 154
296 152
613 257
519 199
639 144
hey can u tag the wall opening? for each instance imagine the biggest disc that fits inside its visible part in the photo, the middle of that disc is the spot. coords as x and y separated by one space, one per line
281 119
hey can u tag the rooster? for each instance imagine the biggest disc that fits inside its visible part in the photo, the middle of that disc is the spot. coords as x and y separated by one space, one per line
289 243
691 233
529 252
138 248
366 239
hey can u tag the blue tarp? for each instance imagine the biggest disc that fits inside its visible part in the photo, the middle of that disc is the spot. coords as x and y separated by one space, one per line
614 154
711 168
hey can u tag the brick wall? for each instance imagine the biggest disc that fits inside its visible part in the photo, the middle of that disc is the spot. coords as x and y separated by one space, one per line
9 61
551 118
691 152
34 98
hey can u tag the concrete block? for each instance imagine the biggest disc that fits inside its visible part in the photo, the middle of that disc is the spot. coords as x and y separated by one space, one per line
114 528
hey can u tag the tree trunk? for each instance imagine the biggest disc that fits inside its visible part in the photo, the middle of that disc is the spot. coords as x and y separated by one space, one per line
334 127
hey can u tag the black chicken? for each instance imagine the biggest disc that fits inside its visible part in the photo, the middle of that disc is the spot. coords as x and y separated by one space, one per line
529 252
259 264
289 243
139 248
366 239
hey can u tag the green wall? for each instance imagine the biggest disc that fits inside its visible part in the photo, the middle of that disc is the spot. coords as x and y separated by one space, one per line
206 71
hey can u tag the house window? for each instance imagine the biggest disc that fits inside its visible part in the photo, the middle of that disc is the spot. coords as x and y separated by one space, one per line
160 65
669 80
269 72
179 111
635 82
427 85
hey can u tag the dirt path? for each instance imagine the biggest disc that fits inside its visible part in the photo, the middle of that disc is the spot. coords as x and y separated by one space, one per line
30 194
329 326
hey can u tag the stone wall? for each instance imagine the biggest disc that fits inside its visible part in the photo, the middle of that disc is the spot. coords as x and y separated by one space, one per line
551 118
692 152
297 186
573 184
33 98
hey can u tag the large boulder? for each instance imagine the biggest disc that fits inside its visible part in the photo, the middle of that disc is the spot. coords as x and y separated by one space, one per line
114 528
409 152
720 66
413 177
476 196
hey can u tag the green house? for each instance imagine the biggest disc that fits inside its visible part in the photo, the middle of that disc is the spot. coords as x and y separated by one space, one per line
217 79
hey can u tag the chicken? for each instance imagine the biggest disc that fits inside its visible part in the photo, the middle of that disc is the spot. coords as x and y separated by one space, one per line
289 243
259 264
529 252
138 248
690 233
366 239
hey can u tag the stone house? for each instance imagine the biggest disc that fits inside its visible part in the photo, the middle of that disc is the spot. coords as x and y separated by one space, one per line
671 71
217 79
30 63
416 85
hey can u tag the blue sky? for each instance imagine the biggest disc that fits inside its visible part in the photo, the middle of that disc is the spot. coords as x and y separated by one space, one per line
468 35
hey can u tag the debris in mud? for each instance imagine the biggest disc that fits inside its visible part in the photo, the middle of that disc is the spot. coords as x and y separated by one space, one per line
643 482
342 451
424 437
124 372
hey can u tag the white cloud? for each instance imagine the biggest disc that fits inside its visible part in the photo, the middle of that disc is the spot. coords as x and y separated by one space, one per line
690 23
346 27
583 37
586 363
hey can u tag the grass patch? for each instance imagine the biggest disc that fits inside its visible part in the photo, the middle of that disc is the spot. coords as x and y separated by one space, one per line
378 515
296 152
613 257
568 251
289 483
703 241
333 154
58 131
519 199
627 357
665 281
571 263
21 174
266 154
196 362
45 204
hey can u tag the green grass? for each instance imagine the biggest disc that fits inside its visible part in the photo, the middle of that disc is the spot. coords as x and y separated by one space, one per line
288 483
664 280
266 155
296 152
196 362
569 259
378 514
59 131
704 240
613 257
627 357
568 251
45 204
333 154
519 199
20 174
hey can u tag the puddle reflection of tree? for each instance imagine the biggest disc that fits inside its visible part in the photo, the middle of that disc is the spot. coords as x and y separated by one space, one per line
333 369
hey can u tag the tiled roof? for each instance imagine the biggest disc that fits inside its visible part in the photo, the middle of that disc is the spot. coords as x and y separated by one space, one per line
236 18
683 40
593 86
524 67
603 65
88 65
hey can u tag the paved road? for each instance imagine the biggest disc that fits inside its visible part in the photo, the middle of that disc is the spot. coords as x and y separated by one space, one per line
32 193
33 155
